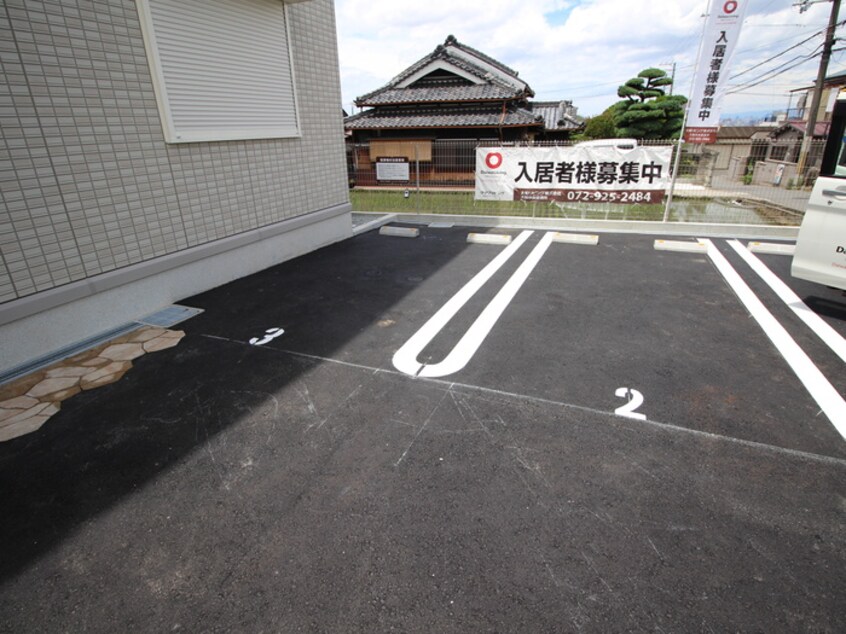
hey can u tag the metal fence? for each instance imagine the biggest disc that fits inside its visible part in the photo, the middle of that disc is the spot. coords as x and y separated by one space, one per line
737 182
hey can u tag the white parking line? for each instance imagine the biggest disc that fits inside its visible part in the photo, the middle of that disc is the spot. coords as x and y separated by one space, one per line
468 344
831 403
816 323
405 359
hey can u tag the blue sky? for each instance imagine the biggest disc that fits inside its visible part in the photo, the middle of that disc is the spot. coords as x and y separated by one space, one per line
582 49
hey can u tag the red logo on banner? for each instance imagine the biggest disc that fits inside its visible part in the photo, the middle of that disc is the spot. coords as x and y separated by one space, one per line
730 6
493 160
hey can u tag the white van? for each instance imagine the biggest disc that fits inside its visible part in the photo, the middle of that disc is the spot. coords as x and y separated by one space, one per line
821 245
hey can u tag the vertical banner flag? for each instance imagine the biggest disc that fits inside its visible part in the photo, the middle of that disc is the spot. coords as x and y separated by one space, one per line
721 34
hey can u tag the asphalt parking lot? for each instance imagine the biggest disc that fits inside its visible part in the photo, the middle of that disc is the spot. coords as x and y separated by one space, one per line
601 438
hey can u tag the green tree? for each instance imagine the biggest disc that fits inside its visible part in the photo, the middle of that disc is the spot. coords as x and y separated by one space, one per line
646 111
600 127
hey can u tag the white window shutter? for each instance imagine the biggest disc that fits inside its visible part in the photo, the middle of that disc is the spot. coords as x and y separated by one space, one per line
222 68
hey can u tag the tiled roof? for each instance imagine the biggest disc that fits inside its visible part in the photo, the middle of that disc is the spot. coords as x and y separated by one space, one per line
438 94
820 129
451 41
741 131
479 72
557 115
517 88
836 78
456 117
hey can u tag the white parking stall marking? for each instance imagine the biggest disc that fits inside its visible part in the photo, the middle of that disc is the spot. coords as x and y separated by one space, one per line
831 403
405 359
466 347
824 331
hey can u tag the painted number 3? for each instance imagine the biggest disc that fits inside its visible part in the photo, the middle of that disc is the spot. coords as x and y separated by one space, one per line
635 400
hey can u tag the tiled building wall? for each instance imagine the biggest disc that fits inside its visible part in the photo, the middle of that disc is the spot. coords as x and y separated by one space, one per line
89 185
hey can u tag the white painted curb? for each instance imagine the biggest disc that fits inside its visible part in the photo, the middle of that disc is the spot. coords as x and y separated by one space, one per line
575 238
488 238
771 248
680 247
399 232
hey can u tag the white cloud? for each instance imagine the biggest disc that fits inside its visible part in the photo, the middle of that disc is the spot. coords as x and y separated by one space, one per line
570 49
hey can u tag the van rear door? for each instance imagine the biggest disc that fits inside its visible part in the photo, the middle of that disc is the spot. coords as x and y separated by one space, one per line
821 246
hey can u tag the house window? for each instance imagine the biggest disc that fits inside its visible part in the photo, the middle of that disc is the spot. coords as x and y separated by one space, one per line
759 150
455 155
778 153
221 68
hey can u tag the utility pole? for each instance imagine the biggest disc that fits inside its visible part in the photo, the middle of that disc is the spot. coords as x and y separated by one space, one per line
672 76
818 87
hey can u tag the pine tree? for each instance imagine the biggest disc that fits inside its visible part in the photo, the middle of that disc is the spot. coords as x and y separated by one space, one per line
646 111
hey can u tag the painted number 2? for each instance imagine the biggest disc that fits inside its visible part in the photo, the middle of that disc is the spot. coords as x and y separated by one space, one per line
635 400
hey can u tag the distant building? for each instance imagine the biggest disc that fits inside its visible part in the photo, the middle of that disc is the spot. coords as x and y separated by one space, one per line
455 92
746 150
787 138
560 119
740 143
800 99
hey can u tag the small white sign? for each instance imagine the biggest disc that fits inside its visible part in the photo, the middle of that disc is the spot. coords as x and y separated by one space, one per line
392 169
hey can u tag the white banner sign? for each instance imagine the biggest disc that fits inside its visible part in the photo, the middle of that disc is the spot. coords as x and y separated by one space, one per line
721 34
573 174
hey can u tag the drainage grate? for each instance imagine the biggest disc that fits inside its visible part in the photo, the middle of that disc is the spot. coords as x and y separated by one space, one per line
164 318
63 353
170 316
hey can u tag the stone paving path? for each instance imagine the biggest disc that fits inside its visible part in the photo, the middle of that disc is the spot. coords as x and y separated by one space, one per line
28 402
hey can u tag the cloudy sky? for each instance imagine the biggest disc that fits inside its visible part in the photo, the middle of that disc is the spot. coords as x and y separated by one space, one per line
583 49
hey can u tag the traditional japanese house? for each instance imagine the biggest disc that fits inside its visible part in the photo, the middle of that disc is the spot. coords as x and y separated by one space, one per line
435 112
560 119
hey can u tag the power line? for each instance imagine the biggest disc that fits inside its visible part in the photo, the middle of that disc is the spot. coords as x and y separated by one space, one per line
807 56
780 93
687 66
763 80
780 26
769 44
767 61
610 83
773 74
752 82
